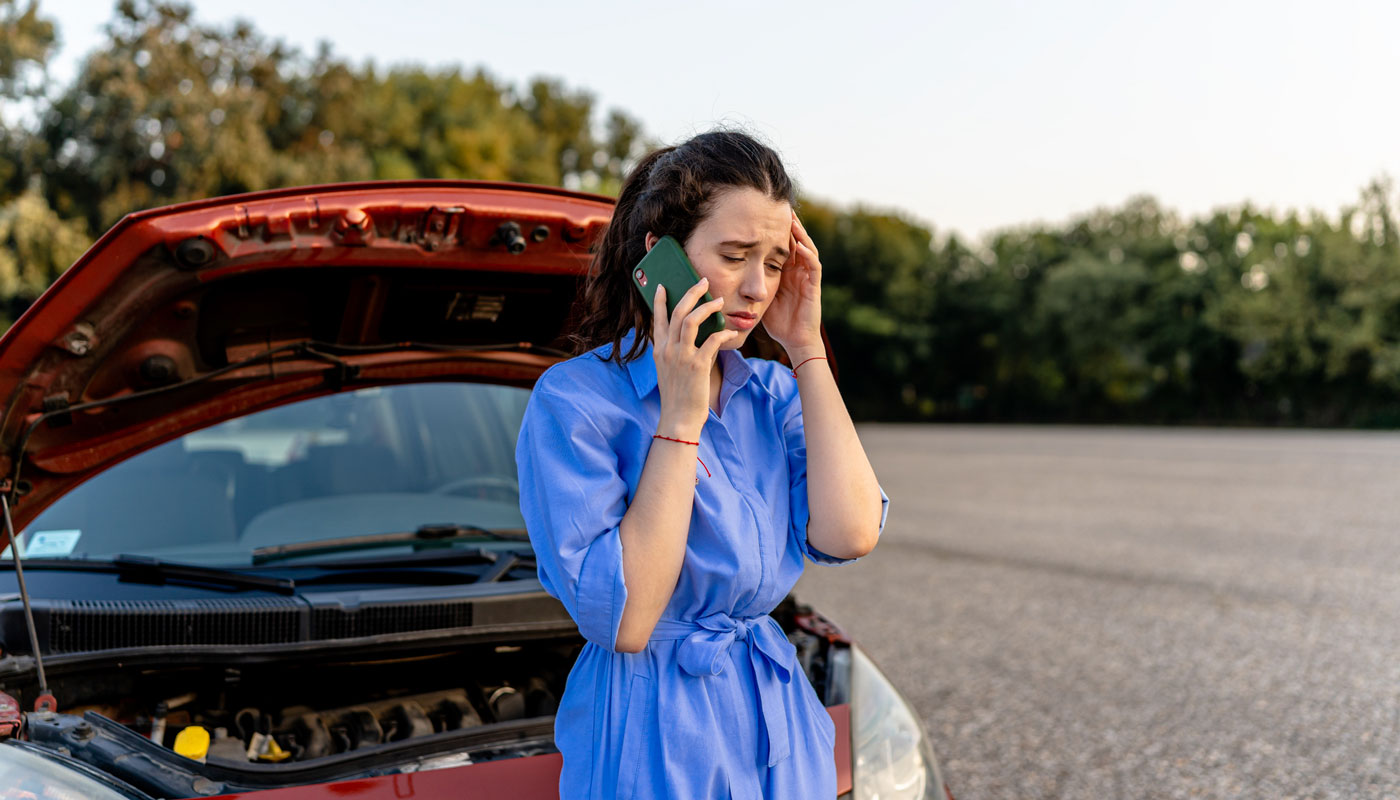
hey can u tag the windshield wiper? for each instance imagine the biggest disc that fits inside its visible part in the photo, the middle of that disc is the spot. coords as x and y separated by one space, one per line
426 535
142 569
441 568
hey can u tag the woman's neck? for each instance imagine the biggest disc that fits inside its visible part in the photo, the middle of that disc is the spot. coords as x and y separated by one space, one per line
716 381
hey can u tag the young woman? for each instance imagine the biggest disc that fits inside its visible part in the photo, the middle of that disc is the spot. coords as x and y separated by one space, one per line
671 492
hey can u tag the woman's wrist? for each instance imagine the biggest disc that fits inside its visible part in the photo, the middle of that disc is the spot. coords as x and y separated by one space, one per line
679 431
804 369
799 353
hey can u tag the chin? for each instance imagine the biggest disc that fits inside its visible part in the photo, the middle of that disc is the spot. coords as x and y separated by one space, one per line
735 344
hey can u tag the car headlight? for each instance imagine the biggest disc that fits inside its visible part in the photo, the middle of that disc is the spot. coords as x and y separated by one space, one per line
893 760
25 773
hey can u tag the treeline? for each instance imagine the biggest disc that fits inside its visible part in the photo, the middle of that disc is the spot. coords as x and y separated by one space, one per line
1131 314
168 109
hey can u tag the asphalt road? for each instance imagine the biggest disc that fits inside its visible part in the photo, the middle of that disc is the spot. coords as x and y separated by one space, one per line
1138 613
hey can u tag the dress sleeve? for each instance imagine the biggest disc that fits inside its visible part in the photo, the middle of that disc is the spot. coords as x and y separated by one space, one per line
572 499
795 442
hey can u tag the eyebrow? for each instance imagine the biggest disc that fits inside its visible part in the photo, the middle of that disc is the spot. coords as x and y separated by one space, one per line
782 251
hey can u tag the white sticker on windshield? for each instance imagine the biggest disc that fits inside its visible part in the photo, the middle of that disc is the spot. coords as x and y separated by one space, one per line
37 544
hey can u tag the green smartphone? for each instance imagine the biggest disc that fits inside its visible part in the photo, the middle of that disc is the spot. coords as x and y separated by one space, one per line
667 264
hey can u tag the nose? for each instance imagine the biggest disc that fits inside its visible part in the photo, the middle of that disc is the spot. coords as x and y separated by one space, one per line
754 287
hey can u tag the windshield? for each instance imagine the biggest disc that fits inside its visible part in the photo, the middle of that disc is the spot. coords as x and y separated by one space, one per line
376 460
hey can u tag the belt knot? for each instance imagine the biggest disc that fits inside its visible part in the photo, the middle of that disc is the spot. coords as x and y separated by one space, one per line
704 650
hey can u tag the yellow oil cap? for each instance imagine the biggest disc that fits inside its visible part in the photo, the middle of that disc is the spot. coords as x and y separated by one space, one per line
192 742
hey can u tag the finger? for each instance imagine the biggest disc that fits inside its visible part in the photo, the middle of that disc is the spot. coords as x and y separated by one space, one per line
809 257
800 232
659 322
687 303
690 326
715 342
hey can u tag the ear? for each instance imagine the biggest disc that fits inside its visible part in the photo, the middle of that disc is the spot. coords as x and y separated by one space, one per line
651 240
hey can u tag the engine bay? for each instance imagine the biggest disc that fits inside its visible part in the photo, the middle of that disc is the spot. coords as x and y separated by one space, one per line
300 711
184 724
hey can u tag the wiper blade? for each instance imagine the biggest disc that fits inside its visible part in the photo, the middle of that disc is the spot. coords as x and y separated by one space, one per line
426 535
142 569
440 568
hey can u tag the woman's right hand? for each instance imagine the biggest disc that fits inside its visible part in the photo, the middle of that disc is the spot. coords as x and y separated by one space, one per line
683 370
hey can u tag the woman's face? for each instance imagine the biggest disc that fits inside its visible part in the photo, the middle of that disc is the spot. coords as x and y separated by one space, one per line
741 247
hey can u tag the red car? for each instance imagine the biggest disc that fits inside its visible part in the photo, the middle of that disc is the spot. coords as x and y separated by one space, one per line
259 453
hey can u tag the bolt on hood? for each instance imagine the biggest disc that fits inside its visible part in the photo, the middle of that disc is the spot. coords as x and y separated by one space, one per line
183 316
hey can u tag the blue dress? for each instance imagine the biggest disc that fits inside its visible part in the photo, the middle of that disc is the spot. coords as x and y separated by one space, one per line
715 706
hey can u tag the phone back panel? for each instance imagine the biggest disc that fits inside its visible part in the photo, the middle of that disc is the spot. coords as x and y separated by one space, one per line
667 264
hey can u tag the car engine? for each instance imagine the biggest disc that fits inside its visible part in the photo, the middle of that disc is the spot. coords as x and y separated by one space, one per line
297 711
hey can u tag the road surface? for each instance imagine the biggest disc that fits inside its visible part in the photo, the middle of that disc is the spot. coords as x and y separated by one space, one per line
1138 613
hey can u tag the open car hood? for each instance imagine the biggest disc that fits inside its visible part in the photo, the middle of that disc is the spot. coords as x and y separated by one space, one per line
183 316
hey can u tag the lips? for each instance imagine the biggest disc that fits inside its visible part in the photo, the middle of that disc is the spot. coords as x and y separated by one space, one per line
742 320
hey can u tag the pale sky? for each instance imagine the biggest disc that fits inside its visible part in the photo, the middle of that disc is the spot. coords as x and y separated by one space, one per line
969 116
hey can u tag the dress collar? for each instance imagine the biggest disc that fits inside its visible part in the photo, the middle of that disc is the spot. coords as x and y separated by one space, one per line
642 369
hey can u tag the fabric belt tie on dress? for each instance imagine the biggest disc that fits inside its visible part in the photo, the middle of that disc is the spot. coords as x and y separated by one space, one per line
705 649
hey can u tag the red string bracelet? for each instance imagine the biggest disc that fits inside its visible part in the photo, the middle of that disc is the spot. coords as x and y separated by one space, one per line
805 360
669 439
697 458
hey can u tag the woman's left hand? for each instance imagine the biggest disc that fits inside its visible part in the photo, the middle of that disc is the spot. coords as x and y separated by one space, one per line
794 320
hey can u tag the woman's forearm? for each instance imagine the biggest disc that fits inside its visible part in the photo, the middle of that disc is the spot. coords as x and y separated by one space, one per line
657 522
653 533
842 493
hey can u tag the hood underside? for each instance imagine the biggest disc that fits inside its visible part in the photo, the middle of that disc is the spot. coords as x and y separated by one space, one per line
184 316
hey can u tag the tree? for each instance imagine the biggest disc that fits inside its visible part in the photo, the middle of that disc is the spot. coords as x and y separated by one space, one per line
169 109
1125 314
35 247
25 48
880 278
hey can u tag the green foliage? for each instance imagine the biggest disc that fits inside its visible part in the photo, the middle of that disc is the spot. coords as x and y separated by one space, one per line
25 46
169 109
35 247
24 49
1127 314
879 284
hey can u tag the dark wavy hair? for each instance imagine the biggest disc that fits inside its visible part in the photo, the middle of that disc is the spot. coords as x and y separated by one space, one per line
669 192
